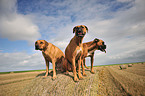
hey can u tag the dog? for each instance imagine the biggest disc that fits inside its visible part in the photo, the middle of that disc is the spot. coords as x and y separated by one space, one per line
73 51
88 51
52 54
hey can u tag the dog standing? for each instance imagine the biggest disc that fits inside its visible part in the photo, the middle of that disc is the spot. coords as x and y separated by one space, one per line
73 51
89 49
51 54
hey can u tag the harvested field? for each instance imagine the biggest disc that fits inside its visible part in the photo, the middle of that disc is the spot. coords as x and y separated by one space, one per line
107 81
11 84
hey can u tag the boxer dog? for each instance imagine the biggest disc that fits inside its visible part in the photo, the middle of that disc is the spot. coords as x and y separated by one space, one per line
89 49
52 54
73 51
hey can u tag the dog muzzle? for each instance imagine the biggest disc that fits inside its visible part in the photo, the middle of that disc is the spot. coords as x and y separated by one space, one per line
36 47
102 48
80 34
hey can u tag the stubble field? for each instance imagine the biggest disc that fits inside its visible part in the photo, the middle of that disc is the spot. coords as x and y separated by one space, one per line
107 81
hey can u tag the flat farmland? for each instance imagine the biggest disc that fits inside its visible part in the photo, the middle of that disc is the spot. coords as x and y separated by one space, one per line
12 83
107 81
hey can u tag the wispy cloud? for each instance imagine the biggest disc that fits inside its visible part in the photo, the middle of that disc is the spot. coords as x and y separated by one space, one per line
21 61
120 23
15 26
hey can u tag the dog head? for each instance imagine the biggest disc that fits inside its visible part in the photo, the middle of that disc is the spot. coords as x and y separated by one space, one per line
80 30
41 45
101 44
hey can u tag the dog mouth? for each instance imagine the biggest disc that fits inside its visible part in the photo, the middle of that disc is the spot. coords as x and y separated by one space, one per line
80 34
102 48
37 48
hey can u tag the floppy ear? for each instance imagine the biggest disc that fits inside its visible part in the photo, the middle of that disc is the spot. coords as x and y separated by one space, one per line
96 40
86 28
74 29
46 44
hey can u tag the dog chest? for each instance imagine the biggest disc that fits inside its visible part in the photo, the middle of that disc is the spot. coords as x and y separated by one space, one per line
79 50
47 57
90 52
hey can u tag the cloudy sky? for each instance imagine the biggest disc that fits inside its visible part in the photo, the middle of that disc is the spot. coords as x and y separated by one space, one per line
120 23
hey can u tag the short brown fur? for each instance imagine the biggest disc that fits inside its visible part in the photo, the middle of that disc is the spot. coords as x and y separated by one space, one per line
88 51
73 51
51 54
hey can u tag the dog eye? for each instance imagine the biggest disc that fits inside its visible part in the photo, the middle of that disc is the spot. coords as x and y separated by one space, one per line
82 26
41 42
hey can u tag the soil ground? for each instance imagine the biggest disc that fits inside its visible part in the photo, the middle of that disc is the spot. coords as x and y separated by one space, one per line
107 81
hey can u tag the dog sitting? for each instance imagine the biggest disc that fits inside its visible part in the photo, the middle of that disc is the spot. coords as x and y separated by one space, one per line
73 51
52 54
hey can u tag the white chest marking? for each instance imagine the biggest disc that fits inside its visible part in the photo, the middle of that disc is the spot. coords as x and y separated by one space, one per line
79 50
90 52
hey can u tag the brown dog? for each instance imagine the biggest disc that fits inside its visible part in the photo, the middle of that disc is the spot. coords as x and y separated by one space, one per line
89 49
73 51
51 54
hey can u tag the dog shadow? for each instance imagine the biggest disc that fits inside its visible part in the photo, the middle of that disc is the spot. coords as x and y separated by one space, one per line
42 74
50 73
69 74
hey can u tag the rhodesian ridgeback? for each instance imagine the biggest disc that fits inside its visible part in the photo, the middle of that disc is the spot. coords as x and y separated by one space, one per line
73 51
51 54
89 49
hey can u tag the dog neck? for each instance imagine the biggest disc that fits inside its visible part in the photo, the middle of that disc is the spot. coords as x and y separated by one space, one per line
92 47
78 40
44 50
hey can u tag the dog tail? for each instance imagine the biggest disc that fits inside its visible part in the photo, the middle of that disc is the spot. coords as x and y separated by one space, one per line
85 64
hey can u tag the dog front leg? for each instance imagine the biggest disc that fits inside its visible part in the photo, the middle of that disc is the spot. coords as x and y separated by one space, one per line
92 61
47 68
54 71
83 69
79 68
74 70
84 61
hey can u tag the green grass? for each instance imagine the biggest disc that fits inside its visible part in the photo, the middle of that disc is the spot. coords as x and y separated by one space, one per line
22 71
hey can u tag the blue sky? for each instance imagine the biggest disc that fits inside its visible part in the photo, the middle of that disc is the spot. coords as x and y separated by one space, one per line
120 23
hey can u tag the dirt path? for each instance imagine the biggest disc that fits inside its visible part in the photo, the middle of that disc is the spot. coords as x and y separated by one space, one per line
128 82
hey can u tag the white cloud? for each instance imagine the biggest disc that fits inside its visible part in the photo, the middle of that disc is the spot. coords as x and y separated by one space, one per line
21 61
124 0
15 26
122 30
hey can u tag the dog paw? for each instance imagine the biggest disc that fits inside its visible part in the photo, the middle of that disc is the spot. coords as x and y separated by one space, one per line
84 74
81 78
76 79
45 76
92 72
54 77
66 73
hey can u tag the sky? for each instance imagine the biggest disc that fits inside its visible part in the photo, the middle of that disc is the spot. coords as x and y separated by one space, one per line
120 23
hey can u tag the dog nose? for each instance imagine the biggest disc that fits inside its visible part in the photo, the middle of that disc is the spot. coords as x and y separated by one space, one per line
36 47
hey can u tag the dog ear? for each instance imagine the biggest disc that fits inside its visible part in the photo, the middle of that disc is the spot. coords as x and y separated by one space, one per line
86 28
46 44
96 40
74 29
